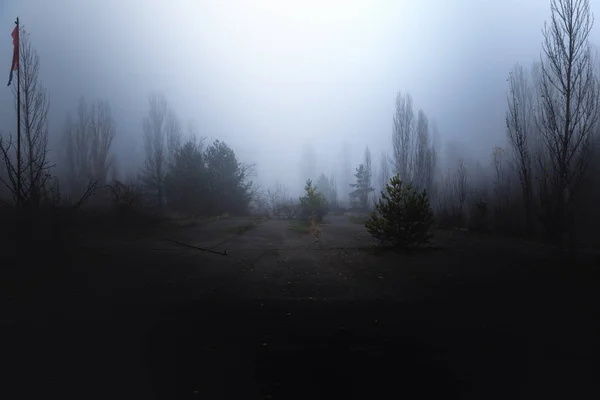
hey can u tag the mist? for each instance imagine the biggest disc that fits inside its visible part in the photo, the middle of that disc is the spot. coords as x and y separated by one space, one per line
267 199
268 77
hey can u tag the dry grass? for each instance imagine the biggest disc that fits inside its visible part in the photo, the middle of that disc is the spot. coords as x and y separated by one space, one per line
300 226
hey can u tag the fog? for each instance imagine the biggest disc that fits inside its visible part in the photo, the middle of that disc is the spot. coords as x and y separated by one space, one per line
268 76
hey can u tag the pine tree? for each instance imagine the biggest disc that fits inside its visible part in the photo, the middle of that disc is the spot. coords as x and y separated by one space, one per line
313 204
359 197
402 217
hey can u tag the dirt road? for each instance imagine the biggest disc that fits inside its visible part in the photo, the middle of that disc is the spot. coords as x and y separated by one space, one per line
283 316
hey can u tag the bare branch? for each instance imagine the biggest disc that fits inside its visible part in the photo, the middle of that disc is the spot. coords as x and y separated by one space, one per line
570 105
162 136
402 136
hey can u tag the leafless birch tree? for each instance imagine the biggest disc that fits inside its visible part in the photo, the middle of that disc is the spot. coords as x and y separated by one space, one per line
368 161
502 182
460 189
519 124
402 135
570 106
384 171
425 157
88 142
162 135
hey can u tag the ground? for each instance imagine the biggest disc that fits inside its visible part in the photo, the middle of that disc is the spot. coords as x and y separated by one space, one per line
272 312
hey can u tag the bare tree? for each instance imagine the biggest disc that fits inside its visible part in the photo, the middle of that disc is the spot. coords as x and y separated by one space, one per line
368 173
345 171
570 107
276 198
333 195
384 171
174 135
34 106
502 181
402 135
425 156
161 135
88 142
308 163
519 124
460 189
415 154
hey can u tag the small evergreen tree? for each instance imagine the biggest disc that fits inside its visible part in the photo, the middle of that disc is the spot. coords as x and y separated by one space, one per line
359 197
313 203
402 217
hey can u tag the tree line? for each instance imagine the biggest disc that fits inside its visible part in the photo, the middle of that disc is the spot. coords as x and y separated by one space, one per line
181 172
543 180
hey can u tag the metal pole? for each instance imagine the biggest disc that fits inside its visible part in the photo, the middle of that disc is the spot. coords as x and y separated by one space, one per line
18 115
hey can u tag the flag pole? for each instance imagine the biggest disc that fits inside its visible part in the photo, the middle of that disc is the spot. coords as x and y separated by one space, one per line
18 118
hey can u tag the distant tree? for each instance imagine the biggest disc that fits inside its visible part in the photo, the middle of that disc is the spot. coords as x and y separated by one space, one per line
425 157
88 140
367 161
502 178
161 136
345 172
570 108
519 127
359 197
186 183
276 198
414 153
34 171
308 162
460 189
384 171
402 217
402 136
333 199
313 205
327 187
228 180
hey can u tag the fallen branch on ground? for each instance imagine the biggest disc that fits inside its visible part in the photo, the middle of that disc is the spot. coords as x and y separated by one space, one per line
224 253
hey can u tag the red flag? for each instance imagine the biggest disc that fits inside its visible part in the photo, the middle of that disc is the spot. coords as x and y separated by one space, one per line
15 60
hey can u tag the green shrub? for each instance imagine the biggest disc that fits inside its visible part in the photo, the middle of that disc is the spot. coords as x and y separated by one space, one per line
402 217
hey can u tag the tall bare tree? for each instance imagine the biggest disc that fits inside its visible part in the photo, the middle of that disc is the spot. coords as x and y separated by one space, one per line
368 161
460 189
402 135
88 142
308 163
502 182
161 136
345 172
384 171
425 156
570 106
34 106
519 124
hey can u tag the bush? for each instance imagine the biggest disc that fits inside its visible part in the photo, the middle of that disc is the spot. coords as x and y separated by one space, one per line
313 203
402 217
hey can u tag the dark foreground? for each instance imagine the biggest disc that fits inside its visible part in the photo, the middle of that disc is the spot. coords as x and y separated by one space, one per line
285 317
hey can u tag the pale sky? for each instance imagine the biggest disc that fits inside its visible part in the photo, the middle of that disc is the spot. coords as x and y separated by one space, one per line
268 76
